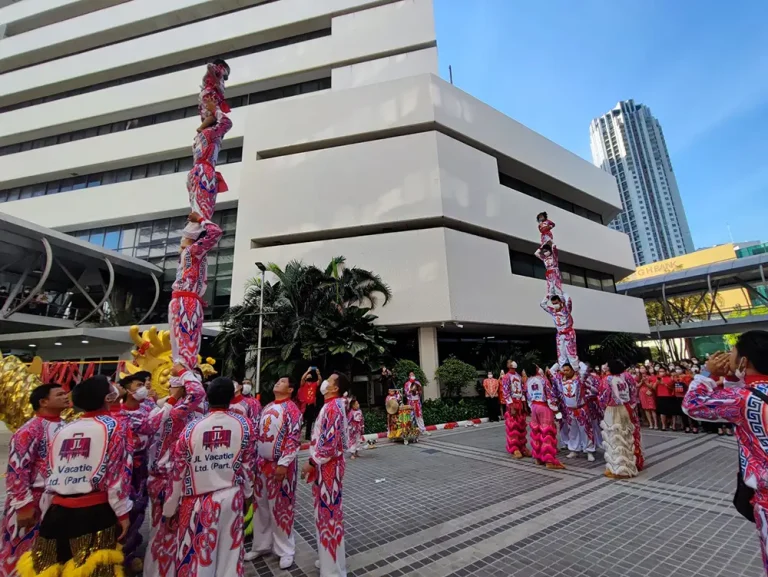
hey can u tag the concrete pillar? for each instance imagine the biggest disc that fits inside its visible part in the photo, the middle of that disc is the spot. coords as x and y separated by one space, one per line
428 360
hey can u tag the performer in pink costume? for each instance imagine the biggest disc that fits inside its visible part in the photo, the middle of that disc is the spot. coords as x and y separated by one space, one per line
592 388
634 399
412 390
212 472
742 404
203 182
136 409
514 419
212 89
618 430
26 474
249 407
544 411
356 428
185 311
577 430
86 503
560 309
547 253
279 440
186 397
325 469
545 228
393 394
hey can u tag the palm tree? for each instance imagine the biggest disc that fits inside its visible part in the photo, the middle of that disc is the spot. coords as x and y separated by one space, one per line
312 316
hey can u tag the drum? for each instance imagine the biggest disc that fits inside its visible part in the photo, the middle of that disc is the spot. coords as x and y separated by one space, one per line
405 429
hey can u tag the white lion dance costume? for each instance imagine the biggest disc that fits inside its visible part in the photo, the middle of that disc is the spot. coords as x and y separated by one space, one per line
618 429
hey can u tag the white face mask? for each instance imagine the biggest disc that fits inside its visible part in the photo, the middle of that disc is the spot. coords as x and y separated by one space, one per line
679 371
140 394
247 389
739 372
112 397
324 387
412 378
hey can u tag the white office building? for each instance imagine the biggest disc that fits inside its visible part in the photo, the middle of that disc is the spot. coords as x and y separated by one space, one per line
345 142
628 143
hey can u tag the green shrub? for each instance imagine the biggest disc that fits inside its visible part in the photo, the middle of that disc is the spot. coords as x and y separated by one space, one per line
403 367
453 374
435 412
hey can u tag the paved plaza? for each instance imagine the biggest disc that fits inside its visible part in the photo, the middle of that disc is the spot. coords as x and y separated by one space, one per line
456 505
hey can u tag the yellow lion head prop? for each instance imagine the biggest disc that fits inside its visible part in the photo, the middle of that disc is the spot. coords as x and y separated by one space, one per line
153 354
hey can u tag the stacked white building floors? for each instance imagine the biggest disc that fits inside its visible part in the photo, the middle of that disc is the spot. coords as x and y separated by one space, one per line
345 142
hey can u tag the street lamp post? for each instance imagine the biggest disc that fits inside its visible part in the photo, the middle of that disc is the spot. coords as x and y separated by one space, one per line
263 270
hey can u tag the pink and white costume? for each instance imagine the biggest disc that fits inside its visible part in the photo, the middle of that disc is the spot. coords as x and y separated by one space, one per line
249 407
24 482
566 336
170 422
545 229
515 425
634 399
185 311
413 398
592 384
279 440
552 274
203 181
577 432
212 470
326 453
543 403
704 401
139 422
618 430
356 430
213 88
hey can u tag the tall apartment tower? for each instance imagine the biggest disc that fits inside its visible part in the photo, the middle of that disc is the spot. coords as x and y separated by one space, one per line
628 142
345 142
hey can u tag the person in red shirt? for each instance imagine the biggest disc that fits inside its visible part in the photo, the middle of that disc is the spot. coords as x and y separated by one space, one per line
307 397
665 399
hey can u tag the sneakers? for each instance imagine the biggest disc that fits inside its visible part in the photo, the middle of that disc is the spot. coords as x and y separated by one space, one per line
591 457
286 562
251 555
571 455
317 564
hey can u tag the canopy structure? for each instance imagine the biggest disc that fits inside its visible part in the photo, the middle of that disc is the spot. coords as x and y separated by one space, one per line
49 280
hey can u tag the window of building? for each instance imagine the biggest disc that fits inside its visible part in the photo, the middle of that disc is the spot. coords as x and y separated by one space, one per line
158 241
245 100
113 176
528 265
535 192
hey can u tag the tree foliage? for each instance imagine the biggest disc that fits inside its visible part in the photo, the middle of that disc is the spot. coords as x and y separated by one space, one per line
311 316
453 374
403 367
617 346
681 309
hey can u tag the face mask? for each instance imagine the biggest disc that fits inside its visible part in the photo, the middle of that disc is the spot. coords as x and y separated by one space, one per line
490 375
740 372
112 397
412 378
247 389
679 371
324 387
140 394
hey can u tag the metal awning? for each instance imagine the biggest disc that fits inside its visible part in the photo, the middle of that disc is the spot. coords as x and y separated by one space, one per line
740 270
49 258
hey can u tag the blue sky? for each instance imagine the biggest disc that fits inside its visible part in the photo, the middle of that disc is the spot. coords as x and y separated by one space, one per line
700 65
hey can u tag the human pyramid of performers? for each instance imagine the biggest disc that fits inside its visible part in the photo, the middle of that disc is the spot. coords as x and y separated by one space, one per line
207 461
594 408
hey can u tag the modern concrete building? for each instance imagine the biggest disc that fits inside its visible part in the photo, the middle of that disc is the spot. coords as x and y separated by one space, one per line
345 142
628 143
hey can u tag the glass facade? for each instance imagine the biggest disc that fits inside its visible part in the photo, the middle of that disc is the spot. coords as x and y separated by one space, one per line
157 241
529 265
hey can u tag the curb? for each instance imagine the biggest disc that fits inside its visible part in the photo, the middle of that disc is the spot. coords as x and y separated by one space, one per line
440 427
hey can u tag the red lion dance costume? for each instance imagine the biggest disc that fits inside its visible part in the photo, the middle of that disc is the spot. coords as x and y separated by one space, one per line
512 387
544 409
